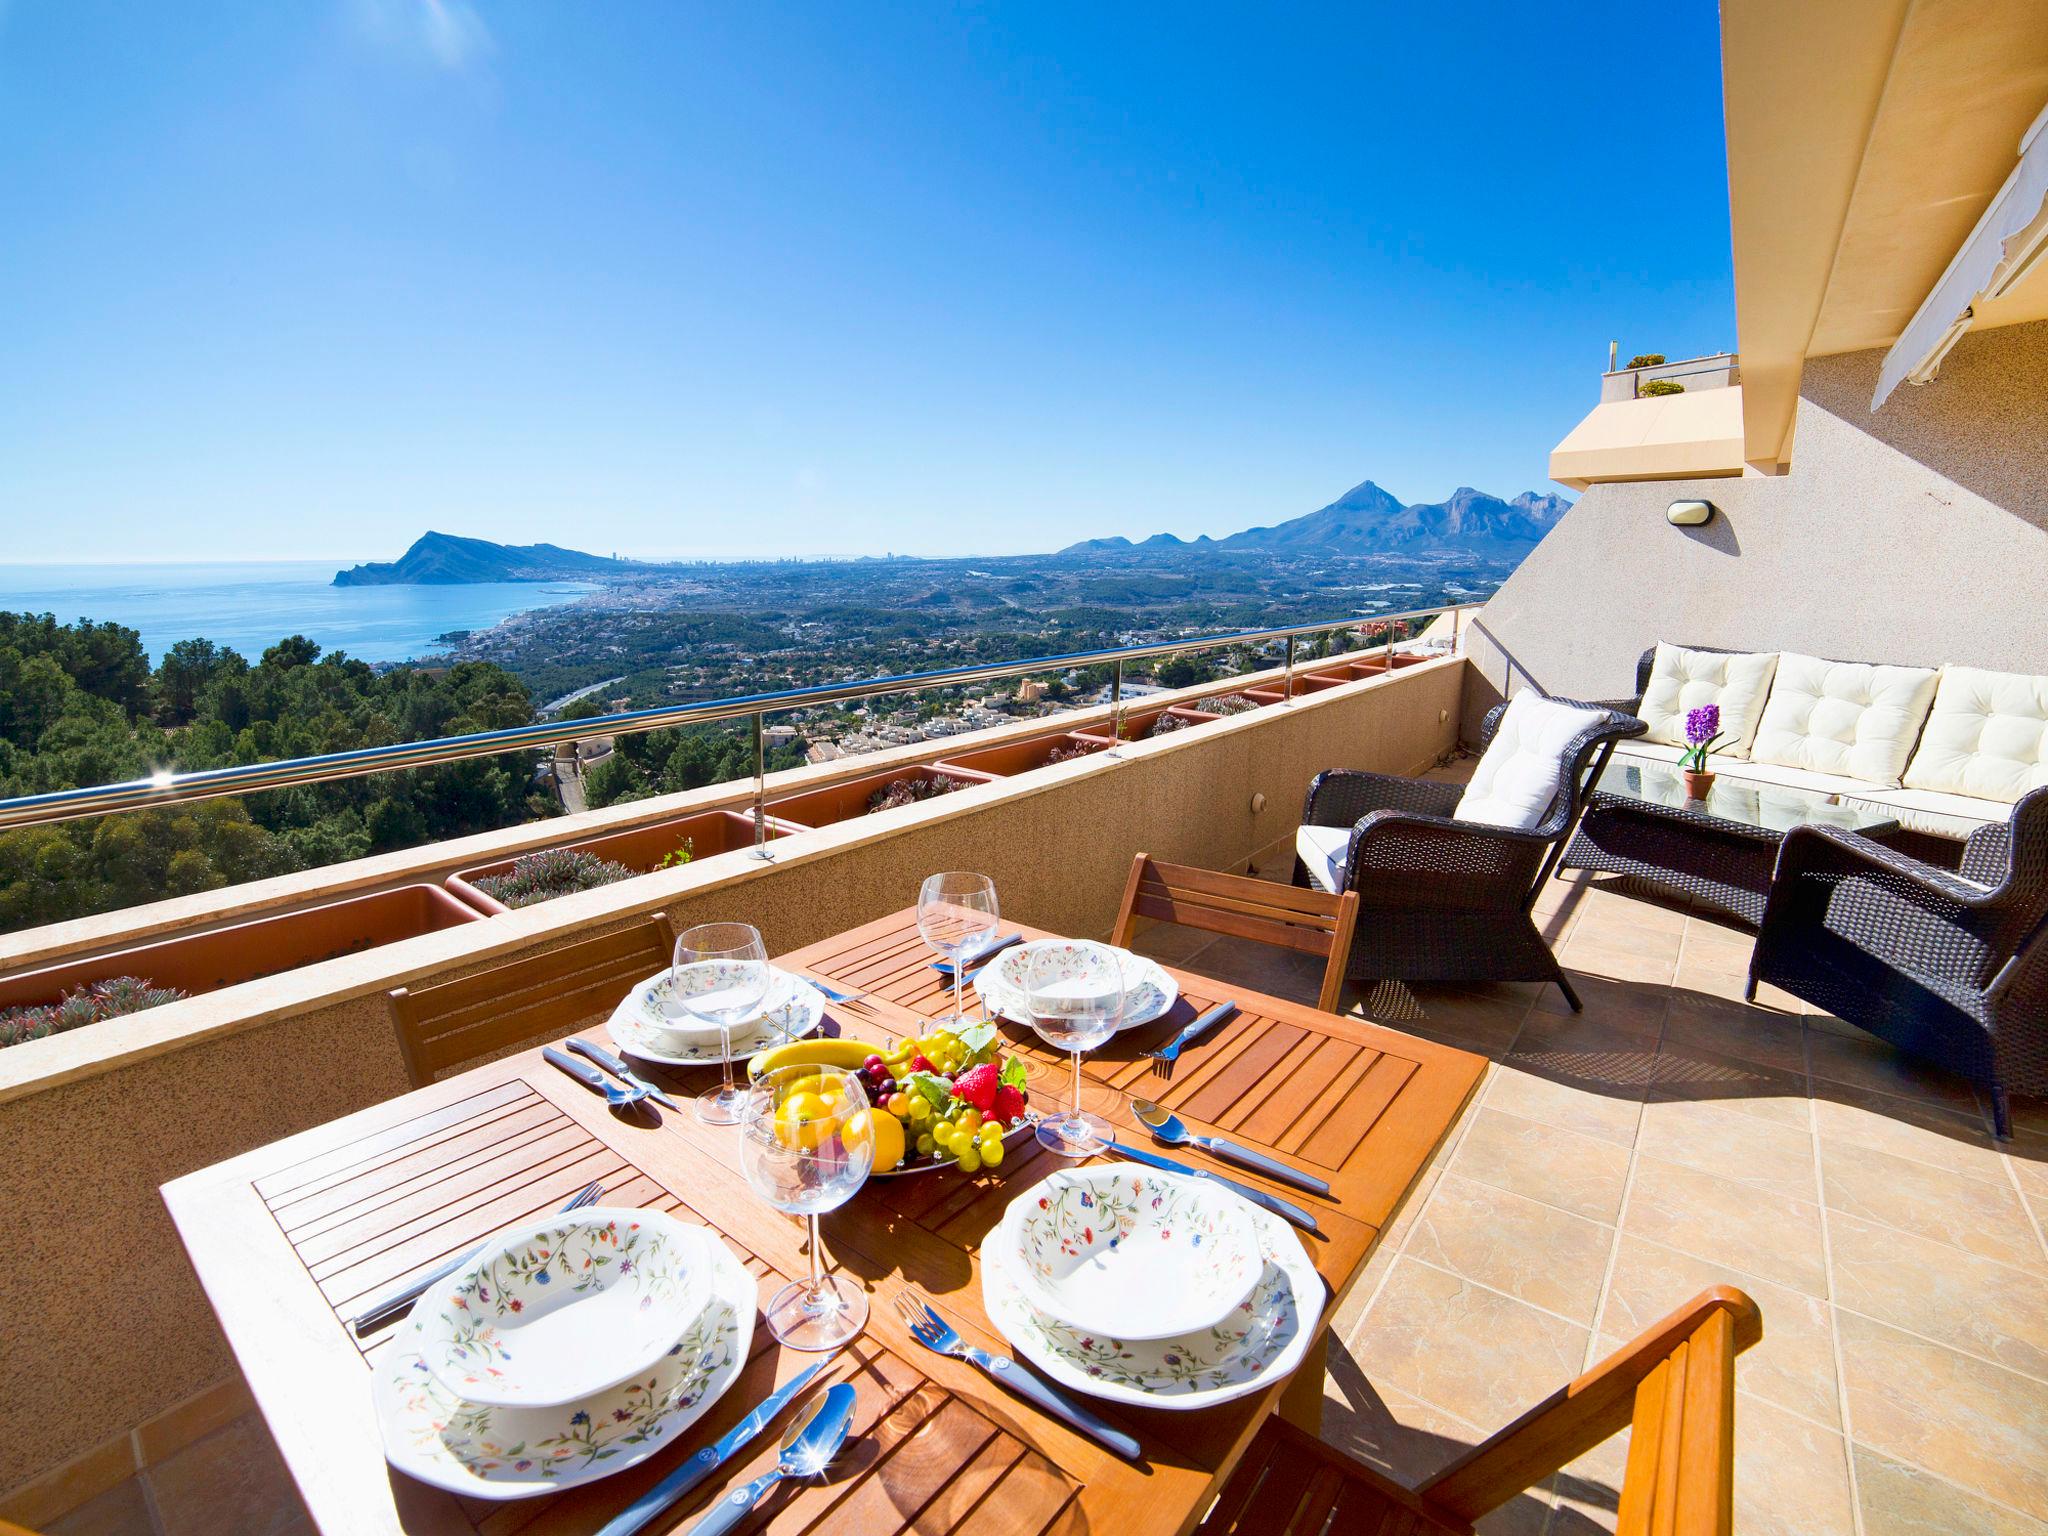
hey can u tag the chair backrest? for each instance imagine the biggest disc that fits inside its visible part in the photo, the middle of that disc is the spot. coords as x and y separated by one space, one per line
1674 1386
1581 761
541 997
1311 922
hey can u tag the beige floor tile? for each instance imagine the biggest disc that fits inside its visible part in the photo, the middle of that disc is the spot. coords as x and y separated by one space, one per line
1724 1222
1623 1004
1526 1514
1617 961
2028 1153
1712 1026
1551 1092
1386 1428
1864 1061
1590 1038
1969 1422
1741 1086
1561 1168
1794 1364
1791 1476
1899 1500
232 1480
1973 1304
1476 1354
1975 1215
1534 1252
1588 1490
123 1510
1909 1128
1716 1138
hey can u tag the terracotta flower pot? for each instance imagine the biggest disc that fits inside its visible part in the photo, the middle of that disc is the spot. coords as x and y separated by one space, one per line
1697 783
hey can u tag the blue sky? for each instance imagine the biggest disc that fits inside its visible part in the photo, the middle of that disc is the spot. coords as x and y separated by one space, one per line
307 279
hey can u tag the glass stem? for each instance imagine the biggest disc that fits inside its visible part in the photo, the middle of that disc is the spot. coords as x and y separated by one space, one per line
817 1261
1077 1085
725 1055
959 993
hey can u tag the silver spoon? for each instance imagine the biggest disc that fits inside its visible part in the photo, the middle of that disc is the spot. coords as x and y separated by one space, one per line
813 1439
1166 1125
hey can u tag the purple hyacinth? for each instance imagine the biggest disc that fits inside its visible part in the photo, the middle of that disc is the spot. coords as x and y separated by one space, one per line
1703 724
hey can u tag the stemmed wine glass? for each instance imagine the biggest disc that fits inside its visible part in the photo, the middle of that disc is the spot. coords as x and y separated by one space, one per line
1075 994
721 976
956 912
806 1145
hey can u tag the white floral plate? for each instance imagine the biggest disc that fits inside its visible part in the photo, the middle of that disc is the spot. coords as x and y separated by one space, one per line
794 1009
1259 1341
516 1453
563 1306
1000 984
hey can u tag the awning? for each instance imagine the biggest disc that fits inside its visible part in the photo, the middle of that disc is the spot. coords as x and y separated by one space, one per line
2007 242
1659 437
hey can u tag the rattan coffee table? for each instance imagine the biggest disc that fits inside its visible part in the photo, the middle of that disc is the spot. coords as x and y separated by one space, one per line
1717 852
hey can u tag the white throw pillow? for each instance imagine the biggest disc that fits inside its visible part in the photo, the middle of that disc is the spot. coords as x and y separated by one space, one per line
1682 681
1516 781
1988 736
1843 717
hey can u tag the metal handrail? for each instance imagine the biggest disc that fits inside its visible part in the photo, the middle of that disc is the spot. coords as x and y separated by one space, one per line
247 778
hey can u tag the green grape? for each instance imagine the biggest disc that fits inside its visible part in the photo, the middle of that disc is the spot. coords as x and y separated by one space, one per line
970 1160
992 1154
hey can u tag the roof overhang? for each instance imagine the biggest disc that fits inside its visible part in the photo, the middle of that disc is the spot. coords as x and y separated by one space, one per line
1866 138
1695 435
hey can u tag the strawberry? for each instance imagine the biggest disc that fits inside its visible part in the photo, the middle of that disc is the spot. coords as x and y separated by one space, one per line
978 1086
1009 1105
922 1063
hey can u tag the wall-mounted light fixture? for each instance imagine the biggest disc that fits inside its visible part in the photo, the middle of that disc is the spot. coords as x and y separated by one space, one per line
1688 514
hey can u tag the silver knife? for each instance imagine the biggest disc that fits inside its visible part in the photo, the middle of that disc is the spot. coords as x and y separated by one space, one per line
707 1461
1286 1209
617 1067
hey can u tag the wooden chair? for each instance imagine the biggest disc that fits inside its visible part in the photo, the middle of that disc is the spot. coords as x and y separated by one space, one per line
1313 922
539 998
1675 1387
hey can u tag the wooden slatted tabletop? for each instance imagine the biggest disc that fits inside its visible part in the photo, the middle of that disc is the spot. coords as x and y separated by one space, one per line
290 1238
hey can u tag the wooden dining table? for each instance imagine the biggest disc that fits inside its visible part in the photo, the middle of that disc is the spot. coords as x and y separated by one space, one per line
289 1238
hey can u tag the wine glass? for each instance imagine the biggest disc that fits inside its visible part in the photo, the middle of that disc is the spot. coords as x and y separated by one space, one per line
807 1147
1075 995
721 976
956 912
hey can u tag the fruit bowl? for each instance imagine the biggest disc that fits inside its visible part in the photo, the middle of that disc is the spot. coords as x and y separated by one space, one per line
1130 1252
564 1306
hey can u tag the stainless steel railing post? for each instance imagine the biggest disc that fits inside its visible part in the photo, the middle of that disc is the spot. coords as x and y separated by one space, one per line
760 791
1287 687
1116 703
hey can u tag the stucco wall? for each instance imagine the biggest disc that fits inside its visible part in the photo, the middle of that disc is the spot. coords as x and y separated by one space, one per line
82 1156
1918 534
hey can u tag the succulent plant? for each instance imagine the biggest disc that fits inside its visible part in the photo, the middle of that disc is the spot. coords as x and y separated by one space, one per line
552 872
1172 723
1067 751
93 1003
1229 704
679 855
909 791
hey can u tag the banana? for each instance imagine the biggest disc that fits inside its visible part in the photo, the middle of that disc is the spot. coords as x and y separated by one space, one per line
815 1053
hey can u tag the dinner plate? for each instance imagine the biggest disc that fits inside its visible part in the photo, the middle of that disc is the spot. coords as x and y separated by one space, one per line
1258 1342
795 1008
1001 987
490 1452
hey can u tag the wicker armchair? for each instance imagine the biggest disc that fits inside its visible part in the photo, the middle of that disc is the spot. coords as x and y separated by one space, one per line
1447 900
1952 967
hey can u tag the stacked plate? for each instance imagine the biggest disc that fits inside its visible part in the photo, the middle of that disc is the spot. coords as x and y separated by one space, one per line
1150 991
1150 1288
577 1345
653 1024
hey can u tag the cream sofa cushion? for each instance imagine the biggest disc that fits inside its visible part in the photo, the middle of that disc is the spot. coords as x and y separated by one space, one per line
1325 852
1987 736
1843 717
1682 681
1516 781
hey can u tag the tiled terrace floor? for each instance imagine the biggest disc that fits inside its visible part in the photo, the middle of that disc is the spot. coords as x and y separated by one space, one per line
1616 1162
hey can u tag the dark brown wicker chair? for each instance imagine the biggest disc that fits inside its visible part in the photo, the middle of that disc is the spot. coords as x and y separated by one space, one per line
1952 967
1447 900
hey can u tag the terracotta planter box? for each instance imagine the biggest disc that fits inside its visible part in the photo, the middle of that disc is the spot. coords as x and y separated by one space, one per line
843 802
1139 726
1020 756
1273 693
641 848
206 962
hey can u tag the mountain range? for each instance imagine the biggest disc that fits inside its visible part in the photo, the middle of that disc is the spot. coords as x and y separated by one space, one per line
1365 520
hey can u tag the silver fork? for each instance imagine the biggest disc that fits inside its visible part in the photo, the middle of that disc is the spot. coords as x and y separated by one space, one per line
1165 1056
834 994
939 1336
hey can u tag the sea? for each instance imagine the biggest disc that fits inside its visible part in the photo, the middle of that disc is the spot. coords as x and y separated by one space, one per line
250 606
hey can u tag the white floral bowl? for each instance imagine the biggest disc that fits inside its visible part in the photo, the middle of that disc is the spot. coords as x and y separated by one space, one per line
564 1306
1130 1252
670 1025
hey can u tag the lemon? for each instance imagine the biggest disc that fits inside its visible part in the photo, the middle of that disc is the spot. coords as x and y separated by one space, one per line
887 1132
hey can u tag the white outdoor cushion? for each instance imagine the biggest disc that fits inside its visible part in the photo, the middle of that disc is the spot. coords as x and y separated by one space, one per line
1987 736
1516 780
1840 717
1682 681
1325 853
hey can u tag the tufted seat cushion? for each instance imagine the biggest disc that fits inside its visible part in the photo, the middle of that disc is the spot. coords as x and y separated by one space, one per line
1325 852
1987 736
1517 779
1682 681
1843 717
